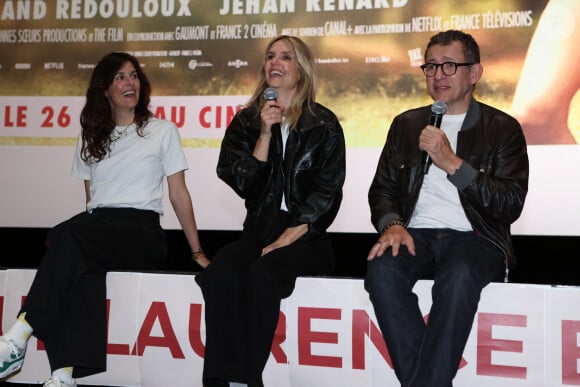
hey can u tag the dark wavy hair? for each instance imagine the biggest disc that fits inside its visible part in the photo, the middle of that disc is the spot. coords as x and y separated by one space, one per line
96 117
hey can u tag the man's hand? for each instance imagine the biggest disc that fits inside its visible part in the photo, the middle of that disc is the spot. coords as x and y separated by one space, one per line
434 141
394 237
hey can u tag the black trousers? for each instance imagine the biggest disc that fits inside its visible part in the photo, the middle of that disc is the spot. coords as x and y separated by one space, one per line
66 304
242 293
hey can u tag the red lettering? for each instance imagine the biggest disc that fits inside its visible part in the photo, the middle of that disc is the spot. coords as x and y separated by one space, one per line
20 117
362 326
195 329
112 348
177 114
229 115
570 352
205 123
279 338
218 117
231 112
363 331
306 337
214 116
160 113
486 344
157 312
63 119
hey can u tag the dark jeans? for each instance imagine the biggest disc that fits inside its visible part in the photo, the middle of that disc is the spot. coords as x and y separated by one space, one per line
461 265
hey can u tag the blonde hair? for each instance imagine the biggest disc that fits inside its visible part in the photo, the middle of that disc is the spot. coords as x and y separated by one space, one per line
306 87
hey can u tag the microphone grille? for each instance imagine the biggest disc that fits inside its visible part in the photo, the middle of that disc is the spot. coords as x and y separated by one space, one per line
439 107
270 94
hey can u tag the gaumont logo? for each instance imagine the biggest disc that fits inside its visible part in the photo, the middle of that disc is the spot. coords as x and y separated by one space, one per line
193 64
238 63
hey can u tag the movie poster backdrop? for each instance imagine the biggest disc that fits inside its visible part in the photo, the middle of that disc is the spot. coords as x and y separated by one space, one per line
203 58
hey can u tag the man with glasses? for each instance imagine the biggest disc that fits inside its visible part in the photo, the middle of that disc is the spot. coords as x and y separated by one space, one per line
450 222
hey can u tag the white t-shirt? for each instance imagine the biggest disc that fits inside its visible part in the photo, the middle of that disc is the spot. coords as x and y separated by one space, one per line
438 205
131 175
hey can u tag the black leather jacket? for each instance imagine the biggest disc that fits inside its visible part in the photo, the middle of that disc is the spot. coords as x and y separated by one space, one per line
312 173
492 181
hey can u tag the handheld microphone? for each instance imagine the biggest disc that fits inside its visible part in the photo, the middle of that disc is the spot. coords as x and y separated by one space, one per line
270 94
437 110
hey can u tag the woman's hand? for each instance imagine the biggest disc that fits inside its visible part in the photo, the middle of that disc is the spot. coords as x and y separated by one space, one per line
271 114
200 258
289 236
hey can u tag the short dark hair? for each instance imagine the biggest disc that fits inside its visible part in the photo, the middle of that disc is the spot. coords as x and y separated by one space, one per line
470 46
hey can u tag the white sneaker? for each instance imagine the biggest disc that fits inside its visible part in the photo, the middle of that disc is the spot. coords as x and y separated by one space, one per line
11 357
54 382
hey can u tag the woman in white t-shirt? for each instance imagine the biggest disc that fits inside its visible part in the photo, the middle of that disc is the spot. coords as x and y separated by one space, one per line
123 154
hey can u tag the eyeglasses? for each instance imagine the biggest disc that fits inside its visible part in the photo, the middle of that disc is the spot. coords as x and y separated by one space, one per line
448 68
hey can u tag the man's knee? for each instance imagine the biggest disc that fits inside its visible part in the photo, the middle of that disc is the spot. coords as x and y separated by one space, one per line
380 275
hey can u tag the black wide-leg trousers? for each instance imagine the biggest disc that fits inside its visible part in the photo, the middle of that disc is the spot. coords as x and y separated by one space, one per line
242 293
66 304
